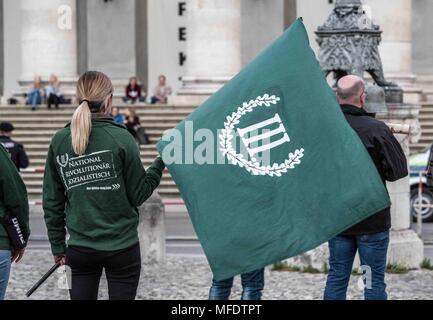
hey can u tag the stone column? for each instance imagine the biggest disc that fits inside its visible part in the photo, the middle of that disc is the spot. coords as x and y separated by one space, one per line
2 71
422 46
213 48
395 19
48 40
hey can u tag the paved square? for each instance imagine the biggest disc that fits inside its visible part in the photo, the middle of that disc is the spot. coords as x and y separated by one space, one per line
189 278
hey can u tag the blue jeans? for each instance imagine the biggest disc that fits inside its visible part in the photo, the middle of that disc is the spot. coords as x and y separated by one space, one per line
128 99
34 98
5 268
372 250
252 284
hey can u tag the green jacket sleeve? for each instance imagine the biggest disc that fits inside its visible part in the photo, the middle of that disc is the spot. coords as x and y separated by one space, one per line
54 199
13 193
140 183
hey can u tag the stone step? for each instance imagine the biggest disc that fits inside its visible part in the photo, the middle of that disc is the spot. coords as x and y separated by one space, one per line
68 115
62 121
418 145
40 161
426 138
427 132
426 122
426 104
425 117
117 105
42 154
427 109
38 176
38 147
36 193
43 130
147 122
154 137
70 111
151 131
38 184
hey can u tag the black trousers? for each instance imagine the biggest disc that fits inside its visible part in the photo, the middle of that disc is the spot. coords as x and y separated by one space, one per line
122 269
53 99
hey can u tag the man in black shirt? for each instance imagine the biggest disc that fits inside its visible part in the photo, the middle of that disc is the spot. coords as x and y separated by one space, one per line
16 150
371 236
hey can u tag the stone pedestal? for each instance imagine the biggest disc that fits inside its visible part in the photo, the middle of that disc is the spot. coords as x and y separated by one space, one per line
213 48
48 41
151 231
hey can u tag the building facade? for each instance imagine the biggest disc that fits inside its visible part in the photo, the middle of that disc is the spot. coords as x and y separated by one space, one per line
197 44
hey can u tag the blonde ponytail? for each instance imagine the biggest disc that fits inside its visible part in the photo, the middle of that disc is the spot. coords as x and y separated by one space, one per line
94 90
81 127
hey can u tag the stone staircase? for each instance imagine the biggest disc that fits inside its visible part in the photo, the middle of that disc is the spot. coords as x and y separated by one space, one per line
35 130
426 121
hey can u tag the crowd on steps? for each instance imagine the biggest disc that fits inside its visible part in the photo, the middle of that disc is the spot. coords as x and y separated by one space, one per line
52 93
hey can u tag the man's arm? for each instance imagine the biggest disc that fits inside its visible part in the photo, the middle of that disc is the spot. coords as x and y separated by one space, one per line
393 159
13 193
54 200
23 159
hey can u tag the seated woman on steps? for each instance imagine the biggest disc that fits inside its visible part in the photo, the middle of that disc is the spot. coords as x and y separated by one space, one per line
54 92
36 94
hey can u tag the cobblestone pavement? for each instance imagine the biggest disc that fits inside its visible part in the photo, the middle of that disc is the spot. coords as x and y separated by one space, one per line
189 278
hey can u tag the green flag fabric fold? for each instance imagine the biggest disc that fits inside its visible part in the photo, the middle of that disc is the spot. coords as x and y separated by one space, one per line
268 166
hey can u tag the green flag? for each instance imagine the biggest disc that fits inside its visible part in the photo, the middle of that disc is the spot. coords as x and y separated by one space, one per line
268 167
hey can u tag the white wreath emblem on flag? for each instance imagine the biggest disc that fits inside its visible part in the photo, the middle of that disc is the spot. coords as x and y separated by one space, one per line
253 166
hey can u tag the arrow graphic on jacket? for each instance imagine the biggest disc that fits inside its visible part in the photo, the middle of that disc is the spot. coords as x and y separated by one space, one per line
116 186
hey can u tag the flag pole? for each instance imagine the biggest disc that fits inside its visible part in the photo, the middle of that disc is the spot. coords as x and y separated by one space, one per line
43 279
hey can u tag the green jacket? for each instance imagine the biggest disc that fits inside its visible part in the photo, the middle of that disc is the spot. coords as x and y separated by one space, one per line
13 198
94 197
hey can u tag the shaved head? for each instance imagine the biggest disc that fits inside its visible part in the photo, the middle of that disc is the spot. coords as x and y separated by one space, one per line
351 90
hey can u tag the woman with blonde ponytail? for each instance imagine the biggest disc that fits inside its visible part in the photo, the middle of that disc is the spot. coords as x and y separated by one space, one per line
81 126
94 181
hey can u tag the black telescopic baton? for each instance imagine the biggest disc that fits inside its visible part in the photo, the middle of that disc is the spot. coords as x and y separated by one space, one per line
43 279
